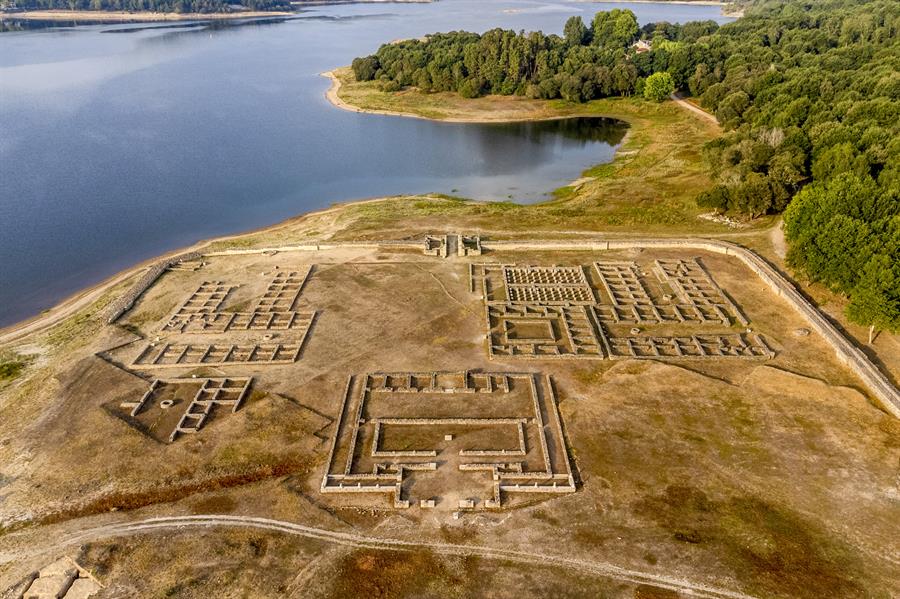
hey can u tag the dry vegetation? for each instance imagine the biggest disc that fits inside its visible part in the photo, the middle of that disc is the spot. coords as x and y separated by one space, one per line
775 478
650 185
770 478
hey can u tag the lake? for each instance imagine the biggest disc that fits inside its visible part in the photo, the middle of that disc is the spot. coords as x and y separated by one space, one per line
120 142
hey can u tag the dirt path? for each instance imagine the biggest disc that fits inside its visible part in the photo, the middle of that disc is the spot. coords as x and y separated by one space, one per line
776 237
687 105
603 569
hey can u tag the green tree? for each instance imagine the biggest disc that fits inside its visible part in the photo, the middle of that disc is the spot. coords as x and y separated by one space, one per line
875 301
626 28
576 32
616 28
471 88
658 87
835 160
364 69
716 199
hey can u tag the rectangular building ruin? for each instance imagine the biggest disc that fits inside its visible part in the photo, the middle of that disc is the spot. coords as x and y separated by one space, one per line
693 346
174 355
480 437
577 312
173 407
523 330
275 310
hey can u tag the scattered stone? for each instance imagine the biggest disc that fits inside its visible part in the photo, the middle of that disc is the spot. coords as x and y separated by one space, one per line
63 578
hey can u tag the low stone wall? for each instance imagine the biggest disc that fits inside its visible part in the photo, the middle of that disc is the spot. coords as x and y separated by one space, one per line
847 353
124 303
319 246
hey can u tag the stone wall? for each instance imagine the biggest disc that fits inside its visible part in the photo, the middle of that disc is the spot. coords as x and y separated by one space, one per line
847 353
124 303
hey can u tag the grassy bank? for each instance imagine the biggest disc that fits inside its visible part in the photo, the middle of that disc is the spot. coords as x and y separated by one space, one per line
649 187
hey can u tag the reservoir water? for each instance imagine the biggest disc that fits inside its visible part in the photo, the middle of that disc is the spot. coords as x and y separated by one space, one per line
122 141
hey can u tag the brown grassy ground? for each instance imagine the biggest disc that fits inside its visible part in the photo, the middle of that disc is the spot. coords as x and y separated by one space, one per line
776 479
771 478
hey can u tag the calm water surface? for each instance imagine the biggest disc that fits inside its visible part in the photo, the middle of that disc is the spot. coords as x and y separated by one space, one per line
119 142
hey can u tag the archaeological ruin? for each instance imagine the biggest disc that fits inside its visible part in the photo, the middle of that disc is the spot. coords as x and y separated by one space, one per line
488 436
174 407
602 310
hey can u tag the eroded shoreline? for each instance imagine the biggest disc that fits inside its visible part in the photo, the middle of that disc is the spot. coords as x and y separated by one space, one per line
85 296
333 96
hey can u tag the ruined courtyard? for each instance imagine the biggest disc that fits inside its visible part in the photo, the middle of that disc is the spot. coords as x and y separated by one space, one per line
475 391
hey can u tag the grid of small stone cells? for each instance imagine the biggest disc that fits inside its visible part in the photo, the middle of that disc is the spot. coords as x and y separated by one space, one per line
201 312
693 346
547 286
176 355
516 445
694 298
556 312
159 409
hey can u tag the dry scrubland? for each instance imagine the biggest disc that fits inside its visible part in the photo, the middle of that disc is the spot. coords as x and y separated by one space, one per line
771 478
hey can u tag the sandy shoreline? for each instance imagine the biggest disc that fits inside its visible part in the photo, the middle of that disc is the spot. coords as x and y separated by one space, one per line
88 295
148 16
332 95
84 297
737 13
143 16
335 99
696 2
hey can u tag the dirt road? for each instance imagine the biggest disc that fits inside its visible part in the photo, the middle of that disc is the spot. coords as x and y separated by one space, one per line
688 106
597 568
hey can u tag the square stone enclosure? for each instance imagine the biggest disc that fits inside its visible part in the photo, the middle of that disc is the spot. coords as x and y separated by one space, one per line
443 439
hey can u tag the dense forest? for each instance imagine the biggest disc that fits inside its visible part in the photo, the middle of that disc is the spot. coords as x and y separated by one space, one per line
198 6
808 94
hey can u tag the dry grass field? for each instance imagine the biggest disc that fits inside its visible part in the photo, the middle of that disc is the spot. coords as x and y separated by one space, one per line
364 420
755 475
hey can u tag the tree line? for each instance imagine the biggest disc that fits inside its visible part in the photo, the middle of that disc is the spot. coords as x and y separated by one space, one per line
586 63
808 95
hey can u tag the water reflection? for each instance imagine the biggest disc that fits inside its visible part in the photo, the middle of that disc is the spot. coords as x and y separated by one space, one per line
583 129
9 23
